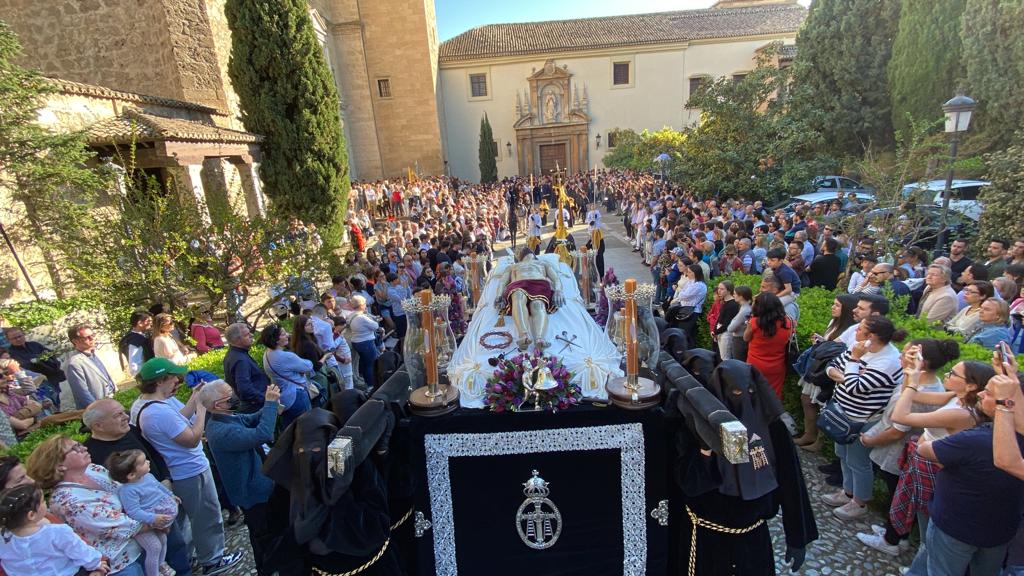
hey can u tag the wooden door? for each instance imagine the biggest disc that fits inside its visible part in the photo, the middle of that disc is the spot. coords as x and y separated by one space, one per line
552 157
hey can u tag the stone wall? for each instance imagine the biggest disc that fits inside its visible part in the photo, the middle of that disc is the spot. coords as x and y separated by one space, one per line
120 44
220 35
398 39
157 47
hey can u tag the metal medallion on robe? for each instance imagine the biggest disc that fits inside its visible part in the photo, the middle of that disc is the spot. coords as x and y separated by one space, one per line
538 520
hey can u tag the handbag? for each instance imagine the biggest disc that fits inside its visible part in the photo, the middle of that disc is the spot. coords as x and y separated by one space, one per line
834 422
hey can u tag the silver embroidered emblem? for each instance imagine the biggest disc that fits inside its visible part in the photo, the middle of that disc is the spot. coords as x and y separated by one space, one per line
661 513
538 520
421 524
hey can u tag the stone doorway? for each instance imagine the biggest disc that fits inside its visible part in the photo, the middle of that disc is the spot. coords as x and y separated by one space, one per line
552 157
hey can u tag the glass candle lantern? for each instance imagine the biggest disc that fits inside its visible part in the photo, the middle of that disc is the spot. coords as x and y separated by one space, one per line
585 270
476 272
632 328
428 347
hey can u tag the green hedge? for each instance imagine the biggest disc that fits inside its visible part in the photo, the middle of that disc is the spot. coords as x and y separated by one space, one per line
211 362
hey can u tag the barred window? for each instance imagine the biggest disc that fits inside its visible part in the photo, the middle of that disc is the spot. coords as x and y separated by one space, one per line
613 139
478 85
384 87
620 73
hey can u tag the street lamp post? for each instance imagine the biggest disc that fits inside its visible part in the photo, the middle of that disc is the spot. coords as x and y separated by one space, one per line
958 112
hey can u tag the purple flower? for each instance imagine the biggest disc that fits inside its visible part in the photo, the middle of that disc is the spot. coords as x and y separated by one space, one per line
497 388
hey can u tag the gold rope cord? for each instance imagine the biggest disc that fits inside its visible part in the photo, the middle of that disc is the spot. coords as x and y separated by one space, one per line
371 561
702 523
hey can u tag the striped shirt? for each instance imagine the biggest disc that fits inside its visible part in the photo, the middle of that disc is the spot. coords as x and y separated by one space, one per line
867 384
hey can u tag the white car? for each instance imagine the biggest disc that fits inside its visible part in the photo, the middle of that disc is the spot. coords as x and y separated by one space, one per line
963 196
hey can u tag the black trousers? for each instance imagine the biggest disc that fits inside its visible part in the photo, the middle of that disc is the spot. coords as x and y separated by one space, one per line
259 537
600 261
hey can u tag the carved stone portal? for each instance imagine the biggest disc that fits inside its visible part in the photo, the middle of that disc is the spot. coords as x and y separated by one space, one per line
552 120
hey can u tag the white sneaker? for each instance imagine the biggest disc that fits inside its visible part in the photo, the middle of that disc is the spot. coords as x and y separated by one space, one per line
877 542
850 511
880 530
836 499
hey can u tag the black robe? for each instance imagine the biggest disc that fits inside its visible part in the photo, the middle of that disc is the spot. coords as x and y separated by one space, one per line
703 489
331 526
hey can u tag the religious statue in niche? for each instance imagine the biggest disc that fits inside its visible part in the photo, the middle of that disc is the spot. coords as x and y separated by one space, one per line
550 108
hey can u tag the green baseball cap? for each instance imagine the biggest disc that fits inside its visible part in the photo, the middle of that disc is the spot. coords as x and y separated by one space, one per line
157 367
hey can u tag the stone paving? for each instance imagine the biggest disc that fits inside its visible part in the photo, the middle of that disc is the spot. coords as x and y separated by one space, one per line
836 552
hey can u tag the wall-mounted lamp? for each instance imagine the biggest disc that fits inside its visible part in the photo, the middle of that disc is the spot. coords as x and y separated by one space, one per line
508 146
598 138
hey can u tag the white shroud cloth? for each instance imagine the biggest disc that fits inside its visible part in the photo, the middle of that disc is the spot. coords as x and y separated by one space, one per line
591 362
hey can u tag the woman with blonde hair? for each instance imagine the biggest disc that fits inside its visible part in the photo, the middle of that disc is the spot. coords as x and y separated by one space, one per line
84 497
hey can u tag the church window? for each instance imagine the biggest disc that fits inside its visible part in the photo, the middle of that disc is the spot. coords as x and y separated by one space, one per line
695 84
478 85
384 87
613 138
620 73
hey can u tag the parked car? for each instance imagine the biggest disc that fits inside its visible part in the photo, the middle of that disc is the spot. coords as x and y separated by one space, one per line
834 184
919 227
789 205
963 195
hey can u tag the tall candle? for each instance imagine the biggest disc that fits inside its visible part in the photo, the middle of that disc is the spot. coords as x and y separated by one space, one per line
585 273
474 288
429 342
632 361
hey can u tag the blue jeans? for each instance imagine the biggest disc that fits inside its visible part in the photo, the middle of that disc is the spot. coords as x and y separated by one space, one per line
947 556
368 353
299 406
858 476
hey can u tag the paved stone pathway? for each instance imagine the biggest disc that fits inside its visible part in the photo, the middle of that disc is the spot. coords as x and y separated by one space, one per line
836 552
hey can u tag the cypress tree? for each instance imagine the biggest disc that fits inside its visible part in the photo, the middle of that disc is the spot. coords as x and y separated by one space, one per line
841 72
487 153
288 96
925 66
993 54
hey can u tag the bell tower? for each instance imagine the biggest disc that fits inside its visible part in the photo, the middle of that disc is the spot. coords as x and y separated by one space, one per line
384 57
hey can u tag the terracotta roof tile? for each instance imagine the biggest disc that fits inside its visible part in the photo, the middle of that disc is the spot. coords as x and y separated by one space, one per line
639 29
69 87
141 127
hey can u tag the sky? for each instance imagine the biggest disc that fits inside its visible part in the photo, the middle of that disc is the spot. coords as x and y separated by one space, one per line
456 16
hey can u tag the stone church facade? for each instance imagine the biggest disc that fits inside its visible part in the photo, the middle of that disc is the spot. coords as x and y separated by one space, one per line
556 92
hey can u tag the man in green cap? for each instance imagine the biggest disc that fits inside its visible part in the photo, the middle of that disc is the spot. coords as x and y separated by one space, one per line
176 431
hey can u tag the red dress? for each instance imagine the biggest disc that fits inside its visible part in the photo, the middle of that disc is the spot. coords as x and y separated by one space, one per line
768 355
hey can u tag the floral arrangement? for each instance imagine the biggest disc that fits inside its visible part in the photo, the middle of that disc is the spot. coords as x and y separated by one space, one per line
506 392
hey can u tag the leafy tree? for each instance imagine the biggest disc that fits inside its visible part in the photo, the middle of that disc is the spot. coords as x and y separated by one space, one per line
993 55
488 151
39 166
117 238
1001 217
635 151
746 144
289 97
841 73
925 65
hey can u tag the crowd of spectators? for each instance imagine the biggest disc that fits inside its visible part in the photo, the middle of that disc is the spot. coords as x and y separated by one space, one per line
145 493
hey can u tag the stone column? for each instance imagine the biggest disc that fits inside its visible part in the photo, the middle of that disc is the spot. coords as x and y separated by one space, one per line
217 187
252 188
188 179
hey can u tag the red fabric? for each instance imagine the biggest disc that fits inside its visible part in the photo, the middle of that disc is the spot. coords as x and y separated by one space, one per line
714 313
914 490
534 289
206 337
357 237
768 355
